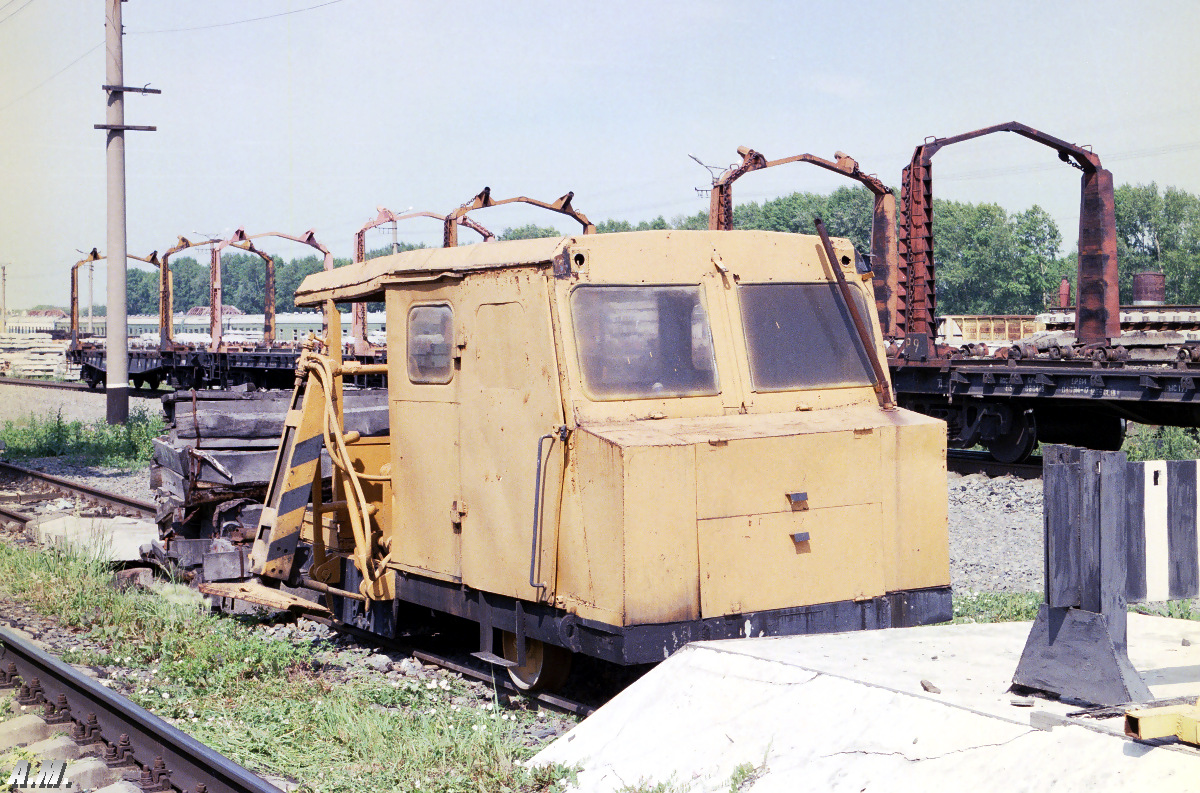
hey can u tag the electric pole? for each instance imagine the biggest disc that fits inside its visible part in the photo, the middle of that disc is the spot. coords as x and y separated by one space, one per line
117 324
91 298
4 298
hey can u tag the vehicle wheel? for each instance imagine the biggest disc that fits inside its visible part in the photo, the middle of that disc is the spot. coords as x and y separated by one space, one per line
152 382
546 665
1018 443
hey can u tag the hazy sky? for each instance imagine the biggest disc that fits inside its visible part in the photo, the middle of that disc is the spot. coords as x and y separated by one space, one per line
313 119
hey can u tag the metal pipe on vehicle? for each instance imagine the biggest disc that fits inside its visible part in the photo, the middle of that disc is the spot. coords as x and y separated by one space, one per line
864 335
326 589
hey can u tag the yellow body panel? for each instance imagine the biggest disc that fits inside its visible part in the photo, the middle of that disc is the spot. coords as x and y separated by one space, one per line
752 562
656 509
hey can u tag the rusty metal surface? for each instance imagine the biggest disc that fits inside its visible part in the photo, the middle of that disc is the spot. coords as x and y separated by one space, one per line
239 239
260 595
358 325
94 256
884 260
1149 288
916 303
484 199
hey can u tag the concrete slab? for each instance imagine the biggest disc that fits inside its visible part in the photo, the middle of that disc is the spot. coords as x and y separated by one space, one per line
24 730
859 711
114 539
91 773
59 747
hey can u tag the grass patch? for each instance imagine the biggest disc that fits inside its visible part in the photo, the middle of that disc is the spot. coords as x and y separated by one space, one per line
262 703
982 607
98 443
1144 442
1175 609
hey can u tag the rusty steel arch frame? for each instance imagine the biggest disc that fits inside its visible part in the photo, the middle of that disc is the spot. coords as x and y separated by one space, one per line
358 331
914 304
166 291
884 261
239 239
94 256
484 199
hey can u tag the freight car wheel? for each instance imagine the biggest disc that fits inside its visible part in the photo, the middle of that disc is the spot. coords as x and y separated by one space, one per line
546 665
1018 443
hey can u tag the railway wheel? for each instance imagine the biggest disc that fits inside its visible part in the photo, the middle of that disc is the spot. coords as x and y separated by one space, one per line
1018 442
546 665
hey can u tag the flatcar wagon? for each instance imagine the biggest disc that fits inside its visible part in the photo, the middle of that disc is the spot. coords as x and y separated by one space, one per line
612 445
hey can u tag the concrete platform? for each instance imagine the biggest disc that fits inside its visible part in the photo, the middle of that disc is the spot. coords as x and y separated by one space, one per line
849 712
113 539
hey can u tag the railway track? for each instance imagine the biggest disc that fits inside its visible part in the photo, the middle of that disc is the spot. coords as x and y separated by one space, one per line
30 489
130 742
967 461
61 385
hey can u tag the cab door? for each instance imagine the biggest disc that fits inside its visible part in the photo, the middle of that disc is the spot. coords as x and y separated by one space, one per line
509 400
424 409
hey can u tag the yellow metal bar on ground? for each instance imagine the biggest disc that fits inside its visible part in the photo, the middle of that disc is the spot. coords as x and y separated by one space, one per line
1182 721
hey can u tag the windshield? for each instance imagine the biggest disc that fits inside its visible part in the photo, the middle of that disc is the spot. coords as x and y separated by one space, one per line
802 336
641 342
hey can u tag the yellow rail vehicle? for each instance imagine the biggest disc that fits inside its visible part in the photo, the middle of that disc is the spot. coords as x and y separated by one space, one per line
616 444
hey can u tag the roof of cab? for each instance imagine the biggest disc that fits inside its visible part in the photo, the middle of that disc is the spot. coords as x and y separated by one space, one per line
367 279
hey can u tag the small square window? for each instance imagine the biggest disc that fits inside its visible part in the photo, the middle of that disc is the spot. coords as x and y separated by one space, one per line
430 339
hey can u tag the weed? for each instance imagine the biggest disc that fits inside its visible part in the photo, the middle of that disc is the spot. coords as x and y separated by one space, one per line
744 776
996 606
1144 442
644 785
1175 609
260 701
129 445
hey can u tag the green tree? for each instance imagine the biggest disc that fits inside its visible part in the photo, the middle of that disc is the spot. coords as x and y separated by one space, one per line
529 231
1159 231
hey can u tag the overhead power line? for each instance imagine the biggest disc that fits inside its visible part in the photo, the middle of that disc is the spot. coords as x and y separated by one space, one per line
14 13
51 77
235 22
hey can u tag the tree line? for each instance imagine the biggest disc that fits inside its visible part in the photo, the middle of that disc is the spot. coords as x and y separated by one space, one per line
988 260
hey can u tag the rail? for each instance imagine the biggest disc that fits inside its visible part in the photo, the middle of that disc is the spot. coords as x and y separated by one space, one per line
95 495
970 461
144 393
127 734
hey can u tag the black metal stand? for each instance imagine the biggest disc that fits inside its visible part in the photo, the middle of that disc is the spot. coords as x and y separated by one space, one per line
1077 647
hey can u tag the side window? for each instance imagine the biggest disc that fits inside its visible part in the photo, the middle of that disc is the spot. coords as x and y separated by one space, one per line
430 338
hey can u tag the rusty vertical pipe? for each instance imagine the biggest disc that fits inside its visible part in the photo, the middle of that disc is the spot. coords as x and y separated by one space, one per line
214 302
885 263
1097 316
166 305
75 304
358 320
269 301
1064 293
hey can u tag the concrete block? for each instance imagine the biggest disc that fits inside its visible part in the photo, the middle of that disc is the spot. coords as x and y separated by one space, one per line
114 539
23 730
91 773
60 747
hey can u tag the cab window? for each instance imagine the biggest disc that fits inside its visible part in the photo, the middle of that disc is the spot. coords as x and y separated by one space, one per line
643 342
801 336
430 338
